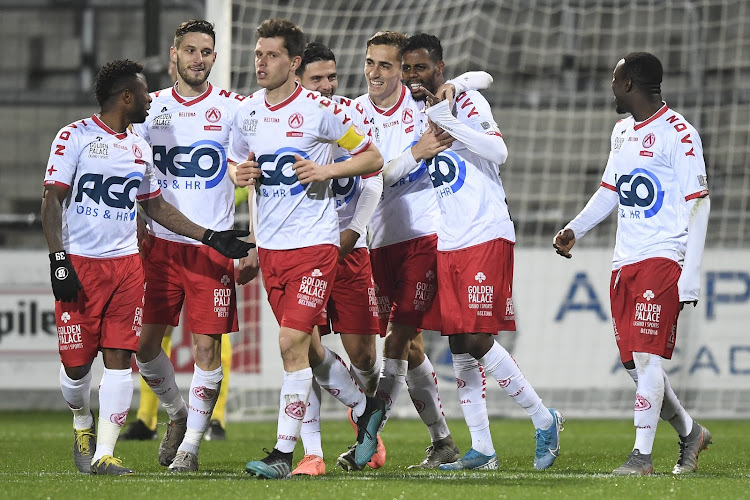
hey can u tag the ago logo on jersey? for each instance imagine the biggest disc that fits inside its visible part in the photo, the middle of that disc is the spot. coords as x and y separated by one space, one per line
640 189
279 179
114 192
448 173
203 160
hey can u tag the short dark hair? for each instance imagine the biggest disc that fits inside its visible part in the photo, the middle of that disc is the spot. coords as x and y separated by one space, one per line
193 26
294 38
644 70
314 52
114 77
392 38
431 43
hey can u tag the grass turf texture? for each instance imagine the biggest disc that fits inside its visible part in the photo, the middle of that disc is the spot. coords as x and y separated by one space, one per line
36 450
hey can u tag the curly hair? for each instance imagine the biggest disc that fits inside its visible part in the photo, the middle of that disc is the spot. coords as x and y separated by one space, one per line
193 26
294 38
430 43
114 77
644 70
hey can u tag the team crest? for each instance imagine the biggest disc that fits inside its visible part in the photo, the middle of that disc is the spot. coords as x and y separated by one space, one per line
137 151
213 115
408 116
649 140
296 120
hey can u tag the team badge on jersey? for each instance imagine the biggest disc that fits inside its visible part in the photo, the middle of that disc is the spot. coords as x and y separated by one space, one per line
296 120
213 115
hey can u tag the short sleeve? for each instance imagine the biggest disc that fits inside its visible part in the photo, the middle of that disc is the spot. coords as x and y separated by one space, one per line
63 157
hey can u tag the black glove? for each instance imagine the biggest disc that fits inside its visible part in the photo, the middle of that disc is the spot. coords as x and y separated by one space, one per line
65 282
226 242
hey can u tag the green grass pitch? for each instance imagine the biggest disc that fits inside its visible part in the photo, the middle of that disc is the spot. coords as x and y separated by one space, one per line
36 462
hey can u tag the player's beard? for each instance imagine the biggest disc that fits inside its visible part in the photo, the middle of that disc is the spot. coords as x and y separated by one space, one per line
183 71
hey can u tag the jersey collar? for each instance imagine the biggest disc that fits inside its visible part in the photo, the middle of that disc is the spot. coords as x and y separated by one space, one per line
653 117
193 100
108 130
293 96
392 109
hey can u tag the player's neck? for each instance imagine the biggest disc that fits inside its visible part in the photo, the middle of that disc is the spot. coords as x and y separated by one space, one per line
114 120
647 108
387 102
186 90
280 93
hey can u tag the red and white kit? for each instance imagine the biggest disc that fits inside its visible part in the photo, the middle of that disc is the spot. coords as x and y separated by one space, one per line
476 235
105 173
403 227
190 140
291 215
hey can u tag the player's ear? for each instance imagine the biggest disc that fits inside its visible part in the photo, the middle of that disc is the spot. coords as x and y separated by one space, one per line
296 61
441 67
126 96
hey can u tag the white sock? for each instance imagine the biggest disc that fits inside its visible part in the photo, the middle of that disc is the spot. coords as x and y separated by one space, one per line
423 389
673 412
159 375
368 381
498 363
471 384
295 390
77 393
115 396
391 383
310 431
333 376
671 409
204 391
648 399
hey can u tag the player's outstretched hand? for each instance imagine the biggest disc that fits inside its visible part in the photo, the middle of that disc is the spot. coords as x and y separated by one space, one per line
248 172
308 171
563 242
65 282
446 91
226 242
248 267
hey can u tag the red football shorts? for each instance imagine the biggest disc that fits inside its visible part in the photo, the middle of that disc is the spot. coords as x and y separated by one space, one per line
298 283
194 275
406 283
352 307
476 284
108 312
645 306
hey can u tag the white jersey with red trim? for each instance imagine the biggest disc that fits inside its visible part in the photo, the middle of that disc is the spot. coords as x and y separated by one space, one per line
654 167
291 215
190 141
104 172
407 209
347 190
468 187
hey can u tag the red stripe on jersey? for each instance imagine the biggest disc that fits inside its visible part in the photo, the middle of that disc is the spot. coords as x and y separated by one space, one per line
699 194
608 186
392 109
656 115
56 183
140 161
148 196
190 102
108 130
276 107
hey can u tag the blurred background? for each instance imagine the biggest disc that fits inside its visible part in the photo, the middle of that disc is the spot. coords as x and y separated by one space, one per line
552 63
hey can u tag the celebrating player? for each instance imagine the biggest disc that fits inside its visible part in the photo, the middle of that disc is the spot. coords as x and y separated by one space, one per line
97 168
350 308
475 257
188 128
656 180
286 132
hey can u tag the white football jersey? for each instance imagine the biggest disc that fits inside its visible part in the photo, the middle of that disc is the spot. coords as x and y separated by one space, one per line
468 187
347 190
407 209
654 167
291 215
104 172
190 141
